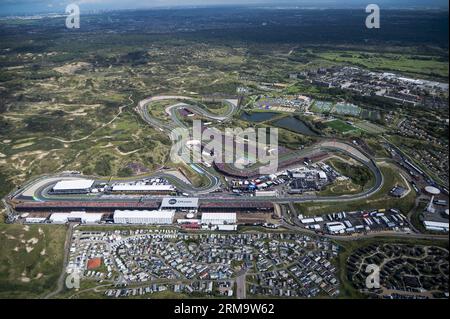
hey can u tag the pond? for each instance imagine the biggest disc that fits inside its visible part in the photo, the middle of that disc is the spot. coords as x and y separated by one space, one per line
295 125
258 116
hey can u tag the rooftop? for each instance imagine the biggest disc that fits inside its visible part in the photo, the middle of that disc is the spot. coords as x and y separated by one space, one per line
180 202
73 184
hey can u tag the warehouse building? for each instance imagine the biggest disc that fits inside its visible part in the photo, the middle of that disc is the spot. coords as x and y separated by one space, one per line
148 217
68 206
219 218
436 226
75 217
179 203
143 189
78 186
35 220
266 193
336 227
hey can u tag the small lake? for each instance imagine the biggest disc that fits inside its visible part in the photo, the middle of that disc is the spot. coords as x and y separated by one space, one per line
294 125
258 116
289 123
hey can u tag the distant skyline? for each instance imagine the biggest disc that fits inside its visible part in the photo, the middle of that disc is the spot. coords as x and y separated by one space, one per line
8 7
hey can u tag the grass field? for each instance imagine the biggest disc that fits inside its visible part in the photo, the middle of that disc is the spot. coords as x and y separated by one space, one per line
341 126
370 127
360 178
31 259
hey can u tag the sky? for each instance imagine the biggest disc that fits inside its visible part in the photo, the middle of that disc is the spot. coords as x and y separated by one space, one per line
8 7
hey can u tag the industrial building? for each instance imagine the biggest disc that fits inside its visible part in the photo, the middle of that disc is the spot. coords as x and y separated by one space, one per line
107 207
143 189
336 227
35 220
226 227
151 217
219 218
266 193
75 217
398 191
78 186
436 226
179 203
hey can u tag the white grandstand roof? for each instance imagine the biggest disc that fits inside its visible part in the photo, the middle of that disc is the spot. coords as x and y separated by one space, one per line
228 217
144 214
435 224
74 184
179 202
86 217
142 187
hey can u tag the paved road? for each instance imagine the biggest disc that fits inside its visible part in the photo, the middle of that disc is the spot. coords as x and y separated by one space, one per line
212 177
241 287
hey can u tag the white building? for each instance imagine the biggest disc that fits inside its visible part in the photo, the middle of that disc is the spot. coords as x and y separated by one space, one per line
335 227
266 193
323 176
76 217
75 186
219 218
227 227
35 220
150 217
435 226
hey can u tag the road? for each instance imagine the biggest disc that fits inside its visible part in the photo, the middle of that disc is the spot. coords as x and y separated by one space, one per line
241 286
213 177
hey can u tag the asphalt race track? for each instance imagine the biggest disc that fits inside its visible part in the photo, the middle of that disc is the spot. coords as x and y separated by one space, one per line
37 190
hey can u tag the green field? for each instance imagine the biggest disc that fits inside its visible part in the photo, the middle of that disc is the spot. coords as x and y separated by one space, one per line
370 127
360 178
31 259
341 126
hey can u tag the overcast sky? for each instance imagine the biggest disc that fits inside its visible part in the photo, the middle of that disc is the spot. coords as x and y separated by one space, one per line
32 6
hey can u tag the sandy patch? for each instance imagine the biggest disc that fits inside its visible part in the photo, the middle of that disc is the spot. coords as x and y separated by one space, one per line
43 252
25 279
2 155
7 141
26 228
29 249
71 68
40 231
18 146
39 275
10 237
33 241
16 248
